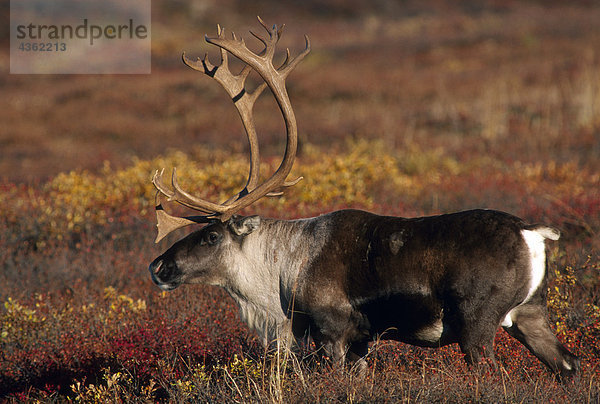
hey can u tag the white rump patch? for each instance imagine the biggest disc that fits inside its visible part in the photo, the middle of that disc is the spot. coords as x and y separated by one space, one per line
537 253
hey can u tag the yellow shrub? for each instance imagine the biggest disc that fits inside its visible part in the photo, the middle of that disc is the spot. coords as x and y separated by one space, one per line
559 298
358 174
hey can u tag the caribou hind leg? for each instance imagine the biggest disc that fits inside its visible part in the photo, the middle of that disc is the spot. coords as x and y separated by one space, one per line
477 344
530 327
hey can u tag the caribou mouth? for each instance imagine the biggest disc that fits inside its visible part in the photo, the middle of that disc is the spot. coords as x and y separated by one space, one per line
166 286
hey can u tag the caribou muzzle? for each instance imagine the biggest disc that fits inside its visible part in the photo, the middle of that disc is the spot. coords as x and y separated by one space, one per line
164 275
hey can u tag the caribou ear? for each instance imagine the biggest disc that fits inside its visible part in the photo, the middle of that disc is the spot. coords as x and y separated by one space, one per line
242 226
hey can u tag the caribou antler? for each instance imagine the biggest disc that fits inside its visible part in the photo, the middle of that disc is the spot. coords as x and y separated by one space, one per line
274 78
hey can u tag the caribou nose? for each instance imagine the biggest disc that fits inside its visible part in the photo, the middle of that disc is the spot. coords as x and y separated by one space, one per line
155 267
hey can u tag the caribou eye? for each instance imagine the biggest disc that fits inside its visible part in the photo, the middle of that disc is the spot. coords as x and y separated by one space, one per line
213 238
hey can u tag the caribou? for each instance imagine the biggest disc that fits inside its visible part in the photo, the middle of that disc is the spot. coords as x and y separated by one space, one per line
346 278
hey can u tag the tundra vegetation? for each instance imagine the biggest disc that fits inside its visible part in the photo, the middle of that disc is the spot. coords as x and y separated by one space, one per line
412 111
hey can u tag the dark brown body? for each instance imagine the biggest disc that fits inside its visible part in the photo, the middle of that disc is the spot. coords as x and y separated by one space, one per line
349 277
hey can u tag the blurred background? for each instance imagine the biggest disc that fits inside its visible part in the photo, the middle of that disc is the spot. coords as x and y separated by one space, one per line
516 80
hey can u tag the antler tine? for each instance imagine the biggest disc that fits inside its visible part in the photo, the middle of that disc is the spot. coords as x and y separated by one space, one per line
286 184
244 101
287 59
290 65
274 35
260 38
180 196
274 32
260 20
